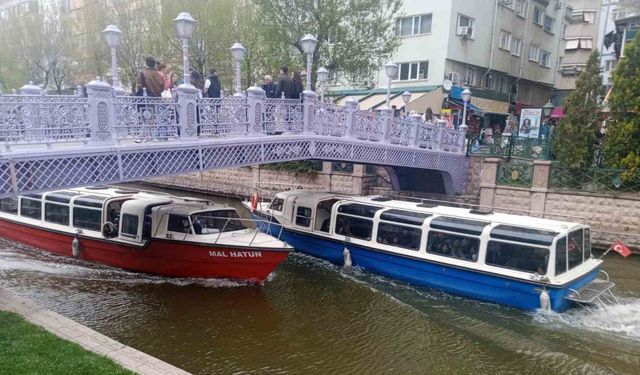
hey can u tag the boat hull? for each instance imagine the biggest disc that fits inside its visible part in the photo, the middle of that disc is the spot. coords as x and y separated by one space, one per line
159 256
455 280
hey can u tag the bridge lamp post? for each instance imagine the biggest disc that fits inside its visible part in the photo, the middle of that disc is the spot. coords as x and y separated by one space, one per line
466 96
237 51
112 35
185 26
406 98
323 76
308 43
392 73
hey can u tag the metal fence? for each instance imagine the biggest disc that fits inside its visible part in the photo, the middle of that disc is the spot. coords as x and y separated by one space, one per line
510 147
594 179
282 115
517 173
142 118
222 116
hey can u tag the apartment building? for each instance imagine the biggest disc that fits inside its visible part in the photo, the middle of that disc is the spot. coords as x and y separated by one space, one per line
506 51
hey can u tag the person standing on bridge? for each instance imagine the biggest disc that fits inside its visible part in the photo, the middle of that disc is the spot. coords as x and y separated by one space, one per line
150 79
212 85
269 87
285 86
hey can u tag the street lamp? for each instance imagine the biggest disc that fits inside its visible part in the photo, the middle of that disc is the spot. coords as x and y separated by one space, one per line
406 98
547 108
112 35
392 73
308 43
323 76
237 51
466 96
185 26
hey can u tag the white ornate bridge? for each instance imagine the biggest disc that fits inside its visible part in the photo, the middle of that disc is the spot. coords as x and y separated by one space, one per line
52 142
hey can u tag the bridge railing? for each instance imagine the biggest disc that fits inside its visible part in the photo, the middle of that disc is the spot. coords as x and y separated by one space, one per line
42 119
103 118
143 119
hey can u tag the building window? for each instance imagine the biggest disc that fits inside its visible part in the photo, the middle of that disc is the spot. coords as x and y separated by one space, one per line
545 58
534 50
470 78
464 21
583 16
516 46
610 65
413 25
505 40
489 81
579 43
548 23
521 8
538 15
413 71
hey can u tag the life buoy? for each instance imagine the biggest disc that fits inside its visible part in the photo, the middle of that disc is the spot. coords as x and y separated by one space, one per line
255 197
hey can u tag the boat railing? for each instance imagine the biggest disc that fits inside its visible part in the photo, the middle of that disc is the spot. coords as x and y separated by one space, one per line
596 293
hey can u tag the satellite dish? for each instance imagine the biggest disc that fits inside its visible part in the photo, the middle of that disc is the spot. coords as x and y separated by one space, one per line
447 84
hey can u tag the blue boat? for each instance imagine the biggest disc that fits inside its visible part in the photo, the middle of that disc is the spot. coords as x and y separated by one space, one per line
521 261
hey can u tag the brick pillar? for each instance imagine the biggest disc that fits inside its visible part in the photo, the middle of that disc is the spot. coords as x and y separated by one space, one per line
539 187
357 176
488 181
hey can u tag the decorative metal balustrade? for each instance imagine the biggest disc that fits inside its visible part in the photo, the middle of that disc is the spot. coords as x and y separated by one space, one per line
42 119
510 147
132 138
593 180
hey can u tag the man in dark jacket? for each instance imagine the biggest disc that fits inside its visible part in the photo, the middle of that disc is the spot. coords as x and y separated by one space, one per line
212 84
150 79
285 84
269 87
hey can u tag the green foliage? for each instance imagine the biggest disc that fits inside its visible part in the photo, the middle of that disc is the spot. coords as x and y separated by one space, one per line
576 132
622 143
27 349
304 166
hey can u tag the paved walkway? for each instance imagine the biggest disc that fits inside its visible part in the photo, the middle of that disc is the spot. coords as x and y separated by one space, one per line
89 339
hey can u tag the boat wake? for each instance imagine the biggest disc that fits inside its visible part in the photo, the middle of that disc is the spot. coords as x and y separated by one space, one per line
621 319
16 259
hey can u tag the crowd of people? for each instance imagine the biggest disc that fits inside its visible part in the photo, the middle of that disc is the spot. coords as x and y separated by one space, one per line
155 81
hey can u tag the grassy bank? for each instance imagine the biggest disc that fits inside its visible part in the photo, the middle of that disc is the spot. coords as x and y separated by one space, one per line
29 349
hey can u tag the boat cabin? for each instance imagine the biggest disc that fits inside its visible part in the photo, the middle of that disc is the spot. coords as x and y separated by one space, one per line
512 245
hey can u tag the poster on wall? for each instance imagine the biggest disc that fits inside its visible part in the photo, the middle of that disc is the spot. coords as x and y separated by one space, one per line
530 122
446 115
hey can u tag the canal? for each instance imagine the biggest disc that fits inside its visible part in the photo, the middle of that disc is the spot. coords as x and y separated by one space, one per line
311 317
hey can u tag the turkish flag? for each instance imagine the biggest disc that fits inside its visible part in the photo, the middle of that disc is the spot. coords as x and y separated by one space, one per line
621 248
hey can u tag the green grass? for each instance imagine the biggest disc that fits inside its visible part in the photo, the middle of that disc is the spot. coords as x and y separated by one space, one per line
29 349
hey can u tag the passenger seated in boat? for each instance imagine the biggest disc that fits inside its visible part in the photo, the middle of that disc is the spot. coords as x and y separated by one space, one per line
444 249
197 227
326 224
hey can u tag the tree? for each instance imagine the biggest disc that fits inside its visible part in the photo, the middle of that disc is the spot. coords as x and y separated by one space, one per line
355 37
577 131
622 143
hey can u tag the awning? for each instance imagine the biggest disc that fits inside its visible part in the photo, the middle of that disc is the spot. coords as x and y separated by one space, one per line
459 104
558 112
398 101
343 100
372 101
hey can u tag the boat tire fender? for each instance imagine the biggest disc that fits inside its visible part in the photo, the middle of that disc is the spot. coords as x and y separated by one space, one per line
545 300
75 247
346 254
255 198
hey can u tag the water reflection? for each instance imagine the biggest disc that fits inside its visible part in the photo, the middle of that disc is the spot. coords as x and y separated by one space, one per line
315 318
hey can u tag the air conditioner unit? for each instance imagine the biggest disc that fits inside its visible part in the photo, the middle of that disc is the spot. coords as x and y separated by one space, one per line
464 31
453 77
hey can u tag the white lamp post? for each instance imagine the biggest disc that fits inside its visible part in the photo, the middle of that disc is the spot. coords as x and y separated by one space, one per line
112 35
185 26
406 98
308 43
323 76
237 51
392 73
466 96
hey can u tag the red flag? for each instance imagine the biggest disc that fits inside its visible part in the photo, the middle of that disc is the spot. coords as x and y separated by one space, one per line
621 248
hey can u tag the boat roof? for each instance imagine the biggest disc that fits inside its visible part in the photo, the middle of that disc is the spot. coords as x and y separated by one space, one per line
465 213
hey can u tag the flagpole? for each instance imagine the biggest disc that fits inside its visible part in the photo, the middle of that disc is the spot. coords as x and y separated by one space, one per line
606 252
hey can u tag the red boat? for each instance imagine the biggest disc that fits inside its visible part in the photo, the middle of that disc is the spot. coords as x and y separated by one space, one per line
143 231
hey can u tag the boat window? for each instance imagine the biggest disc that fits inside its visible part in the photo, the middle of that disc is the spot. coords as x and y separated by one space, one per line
519 234
90 201
56 213
179 223
31 208
517 257
277 204
399 235
354 227
323 215
208 222
61 196
405 217
303 216
453 245
587 244
574 248
359 209
455 224
9 205
87 218
561 256
129 225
